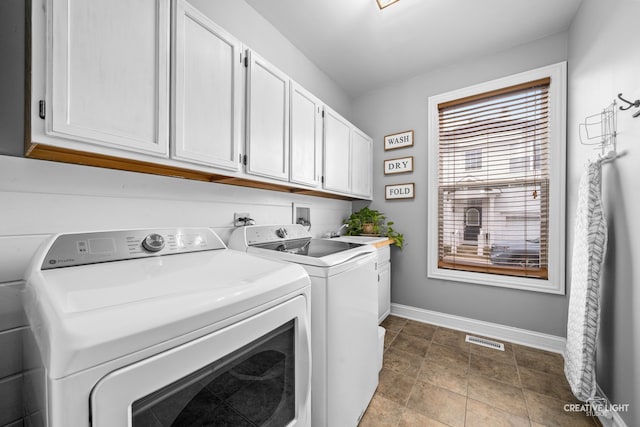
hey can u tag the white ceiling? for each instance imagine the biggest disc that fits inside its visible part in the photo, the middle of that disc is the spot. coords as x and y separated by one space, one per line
363 48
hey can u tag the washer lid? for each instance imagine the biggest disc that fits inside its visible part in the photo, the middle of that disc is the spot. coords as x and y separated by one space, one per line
86 315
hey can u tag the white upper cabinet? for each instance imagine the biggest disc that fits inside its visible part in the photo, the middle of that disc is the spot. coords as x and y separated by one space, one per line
157 86
207 91
361 159
337 152
306 137
108 73
267 137
347 157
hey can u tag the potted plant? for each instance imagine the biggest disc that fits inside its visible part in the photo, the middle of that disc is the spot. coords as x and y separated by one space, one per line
372 222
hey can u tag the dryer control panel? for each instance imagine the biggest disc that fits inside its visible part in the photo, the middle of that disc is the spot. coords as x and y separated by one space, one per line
67 250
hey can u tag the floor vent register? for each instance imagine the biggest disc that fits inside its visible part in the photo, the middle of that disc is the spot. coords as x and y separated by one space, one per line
485 342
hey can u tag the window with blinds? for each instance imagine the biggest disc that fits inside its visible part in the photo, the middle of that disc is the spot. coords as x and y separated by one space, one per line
493 181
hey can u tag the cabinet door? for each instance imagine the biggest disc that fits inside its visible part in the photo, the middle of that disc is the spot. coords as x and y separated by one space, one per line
361 158
206 88
337 152
108 67
384 291
306 137
267 119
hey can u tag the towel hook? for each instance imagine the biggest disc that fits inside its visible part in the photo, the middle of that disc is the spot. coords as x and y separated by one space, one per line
635 104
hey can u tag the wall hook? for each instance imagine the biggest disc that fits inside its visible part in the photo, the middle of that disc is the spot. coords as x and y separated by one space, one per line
636 103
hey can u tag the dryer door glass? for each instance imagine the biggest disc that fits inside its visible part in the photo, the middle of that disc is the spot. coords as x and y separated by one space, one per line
253 386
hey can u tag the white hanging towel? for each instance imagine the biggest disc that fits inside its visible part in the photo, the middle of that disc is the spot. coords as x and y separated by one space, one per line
590 242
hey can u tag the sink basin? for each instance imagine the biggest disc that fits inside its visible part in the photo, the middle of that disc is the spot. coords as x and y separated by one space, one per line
372 240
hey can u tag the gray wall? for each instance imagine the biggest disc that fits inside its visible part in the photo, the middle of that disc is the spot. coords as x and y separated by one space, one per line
604 59
403 106
11 77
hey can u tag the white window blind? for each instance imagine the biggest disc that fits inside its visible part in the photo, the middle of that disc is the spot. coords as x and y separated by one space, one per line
493 182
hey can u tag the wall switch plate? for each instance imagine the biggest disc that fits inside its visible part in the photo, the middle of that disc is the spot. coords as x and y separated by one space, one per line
239 219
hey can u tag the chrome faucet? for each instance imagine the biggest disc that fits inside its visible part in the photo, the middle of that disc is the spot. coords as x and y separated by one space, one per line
337 232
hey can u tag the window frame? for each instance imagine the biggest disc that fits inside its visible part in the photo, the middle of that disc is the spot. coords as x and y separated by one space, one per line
555 283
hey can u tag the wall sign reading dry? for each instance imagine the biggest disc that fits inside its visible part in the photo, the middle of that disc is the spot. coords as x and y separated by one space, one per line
401 165
398 140
399 191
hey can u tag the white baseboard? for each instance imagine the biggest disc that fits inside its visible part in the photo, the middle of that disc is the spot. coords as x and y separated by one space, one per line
492 330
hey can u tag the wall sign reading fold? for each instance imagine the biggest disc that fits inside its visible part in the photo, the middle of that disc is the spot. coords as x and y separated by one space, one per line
399 191
398 140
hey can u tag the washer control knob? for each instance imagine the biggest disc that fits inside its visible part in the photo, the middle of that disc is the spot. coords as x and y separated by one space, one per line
153 242
281 232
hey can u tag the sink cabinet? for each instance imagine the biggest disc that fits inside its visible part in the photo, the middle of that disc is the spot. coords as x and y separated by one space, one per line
384 269
384 282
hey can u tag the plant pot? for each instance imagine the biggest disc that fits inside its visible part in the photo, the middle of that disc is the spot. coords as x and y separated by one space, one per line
367 228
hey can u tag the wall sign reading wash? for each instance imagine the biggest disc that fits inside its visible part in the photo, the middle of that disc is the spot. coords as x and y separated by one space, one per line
398 140
399 191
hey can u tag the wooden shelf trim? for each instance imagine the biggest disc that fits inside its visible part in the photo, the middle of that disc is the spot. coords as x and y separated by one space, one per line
57 154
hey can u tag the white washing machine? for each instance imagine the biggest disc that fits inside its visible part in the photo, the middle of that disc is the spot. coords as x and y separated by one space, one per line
165 328
344 315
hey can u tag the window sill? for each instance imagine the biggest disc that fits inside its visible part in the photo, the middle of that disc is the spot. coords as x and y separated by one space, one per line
512 282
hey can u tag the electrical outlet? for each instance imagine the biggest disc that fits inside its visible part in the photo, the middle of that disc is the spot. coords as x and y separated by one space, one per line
237 218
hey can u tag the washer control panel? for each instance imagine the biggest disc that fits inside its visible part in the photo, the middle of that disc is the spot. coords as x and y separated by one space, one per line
154 242
67 250
257 234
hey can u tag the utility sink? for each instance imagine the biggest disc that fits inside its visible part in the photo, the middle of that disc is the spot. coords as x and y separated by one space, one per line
372 240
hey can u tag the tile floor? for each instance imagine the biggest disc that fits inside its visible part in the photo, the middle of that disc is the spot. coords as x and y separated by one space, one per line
432 377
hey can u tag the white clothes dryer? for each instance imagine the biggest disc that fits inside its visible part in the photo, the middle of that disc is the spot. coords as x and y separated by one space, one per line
165 328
